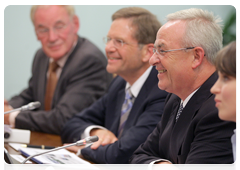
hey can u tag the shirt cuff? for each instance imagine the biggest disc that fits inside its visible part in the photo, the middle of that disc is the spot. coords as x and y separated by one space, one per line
78 152
87 131
153 162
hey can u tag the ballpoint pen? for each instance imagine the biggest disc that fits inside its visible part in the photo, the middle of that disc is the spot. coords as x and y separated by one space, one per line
38 146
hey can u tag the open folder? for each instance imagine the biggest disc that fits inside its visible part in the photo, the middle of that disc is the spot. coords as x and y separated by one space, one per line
60 158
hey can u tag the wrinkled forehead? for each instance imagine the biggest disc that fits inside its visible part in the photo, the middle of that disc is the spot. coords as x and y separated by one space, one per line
171 33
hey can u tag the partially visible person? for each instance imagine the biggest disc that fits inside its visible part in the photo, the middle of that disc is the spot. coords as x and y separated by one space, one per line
225 87
133 105
68 73
190 131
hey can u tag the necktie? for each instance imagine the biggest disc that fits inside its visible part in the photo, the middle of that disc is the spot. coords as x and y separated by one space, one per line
51 84
179 111
126 108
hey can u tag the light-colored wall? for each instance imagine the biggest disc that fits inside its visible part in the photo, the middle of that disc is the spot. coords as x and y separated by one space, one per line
20 42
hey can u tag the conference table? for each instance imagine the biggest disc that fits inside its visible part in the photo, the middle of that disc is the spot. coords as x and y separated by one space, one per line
38 138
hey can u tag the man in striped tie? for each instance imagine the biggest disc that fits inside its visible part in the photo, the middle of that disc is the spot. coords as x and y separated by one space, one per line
190 131
127 114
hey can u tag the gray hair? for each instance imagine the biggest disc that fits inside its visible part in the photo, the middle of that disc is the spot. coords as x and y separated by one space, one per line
69 8
203 29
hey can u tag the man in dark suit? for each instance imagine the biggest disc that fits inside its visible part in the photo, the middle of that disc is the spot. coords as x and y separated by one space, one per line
190 131
127 114
81 74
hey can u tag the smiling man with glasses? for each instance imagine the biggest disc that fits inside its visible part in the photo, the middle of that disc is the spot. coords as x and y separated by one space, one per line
68 72
127 114
190 131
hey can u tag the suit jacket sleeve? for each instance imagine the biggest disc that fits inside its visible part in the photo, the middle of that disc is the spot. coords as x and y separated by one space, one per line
207 141
83 80
121 150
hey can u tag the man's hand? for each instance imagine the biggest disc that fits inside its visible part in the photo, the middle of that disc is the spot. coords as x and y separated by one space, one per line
164 166
5 102
73 148
105 137
6 119
6 106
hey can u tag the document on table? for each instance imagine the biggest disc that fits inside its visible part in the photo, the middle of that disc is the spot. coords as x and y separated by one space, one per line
60 158
19 159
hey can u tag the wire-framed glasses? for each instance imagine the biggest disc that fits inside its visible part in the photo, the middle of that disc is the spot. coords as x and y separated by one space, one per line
58 28
118 43
161 52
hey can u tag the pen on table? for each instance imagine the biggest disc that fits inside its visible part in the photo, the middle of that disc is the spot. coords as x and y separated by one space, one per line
38 146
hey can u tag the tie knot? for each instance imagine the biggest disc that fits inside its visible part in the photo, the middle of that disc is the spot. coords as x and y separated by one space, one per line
128 94
53 66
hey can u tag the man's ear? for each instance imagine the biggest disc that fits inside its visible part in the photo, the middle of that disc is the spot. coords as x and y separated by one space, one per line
147 52
76 23
199 54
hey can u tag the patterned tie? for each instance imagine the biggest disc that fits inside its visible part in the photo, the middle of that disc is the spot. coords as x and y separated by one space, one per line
126 108
179 111
51 84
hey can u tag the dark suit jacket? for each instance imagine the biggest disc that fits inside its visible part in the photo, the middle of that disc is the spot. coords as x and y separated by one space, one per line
143 118
83 80
198 137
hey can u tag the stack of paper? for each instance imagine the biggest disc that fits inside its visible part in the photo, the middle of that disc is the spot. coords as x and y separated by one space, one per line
62 156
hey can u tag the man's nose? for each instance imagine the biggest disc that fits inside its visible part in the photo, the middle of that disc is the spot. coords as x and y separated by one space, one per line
110 46
52 35
154 60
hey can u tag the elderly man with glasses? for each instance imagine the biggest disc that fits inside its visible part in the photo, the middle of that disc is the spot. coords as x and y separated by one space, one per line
68 73
127 114
190 131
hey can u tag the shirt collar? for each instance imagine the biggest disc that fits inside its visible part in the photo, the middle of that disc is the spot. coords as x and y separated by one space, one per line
188 98
137 85
61 62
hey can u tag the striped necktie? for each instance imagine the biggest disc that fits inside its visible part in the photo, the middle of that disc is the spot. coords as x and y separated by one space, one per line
51 84
126 108
179 111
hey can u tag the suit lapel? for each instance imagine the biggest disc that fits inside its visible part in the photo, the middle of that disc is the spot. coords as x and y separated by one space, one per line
167 126
143 94
117 113
43 80
190 111
136 106
64 73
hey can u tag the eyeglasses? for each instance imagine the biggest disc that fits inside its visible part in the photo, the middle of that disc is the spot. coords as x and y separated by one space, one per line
58 28
161 52
118 43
